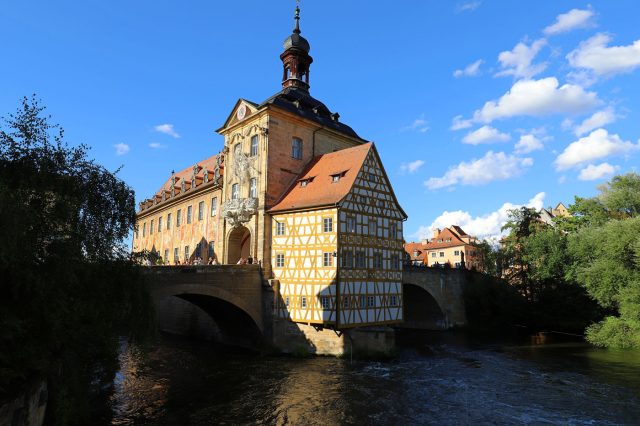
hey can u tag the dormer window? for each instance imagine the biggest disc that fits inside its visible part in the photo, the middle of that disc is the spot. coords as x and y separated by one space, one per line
304 183
335 177
440 240
415 253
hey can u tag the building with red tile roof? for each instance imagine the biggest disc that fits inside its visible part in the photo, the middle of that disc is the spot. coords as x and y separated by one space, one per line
451 247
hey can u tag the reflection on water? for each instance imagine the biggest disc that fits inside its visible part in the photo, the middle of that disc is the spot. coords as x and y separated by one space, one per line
436 379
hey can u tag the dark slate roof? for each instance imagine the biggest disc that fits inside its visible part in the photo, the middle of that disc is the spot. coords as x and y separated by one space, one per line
301 103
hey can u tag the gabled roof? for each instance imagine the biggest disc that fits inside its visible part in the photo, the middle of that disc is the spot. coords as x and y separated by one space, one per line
208 163
252 107
321 190
410 248
444 235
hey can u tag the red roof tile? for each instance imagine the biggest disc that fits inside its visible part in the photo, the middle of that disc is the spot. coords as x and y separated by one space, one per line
321 190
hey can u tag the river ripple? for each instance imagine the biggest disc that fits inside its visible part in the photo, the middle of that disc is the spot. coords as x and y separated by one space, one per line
437 378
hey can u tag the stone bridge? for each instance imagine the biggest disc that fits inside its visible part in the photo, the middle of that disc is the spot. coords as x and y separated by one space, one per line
433 297
226 303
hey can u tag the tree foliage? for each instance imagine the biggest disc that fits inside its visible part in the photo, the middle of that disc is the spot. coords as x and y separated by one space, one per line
68 287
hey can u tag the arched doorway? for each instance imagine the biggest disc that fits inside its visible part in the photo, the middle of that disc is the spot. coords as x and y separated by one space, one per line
421 310
238 244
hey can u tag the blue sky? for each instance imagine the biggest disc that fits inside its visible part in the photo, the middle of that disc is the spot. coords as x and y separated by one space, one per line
475 106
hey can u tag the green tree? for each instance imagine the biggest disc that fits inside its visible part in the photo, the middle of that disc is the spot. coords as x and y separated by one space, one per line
621 195
69 289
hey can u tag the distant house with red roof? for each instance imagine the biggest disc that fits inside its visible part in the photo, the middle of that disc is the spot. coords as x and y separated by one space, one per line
450 246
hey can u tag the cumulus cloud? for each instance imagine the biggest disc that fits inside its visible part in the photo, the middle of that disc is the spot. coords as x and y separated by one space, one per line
598 119
411 167
418 125
470 70
487 226
459 123
167 129
491 167
598 144
485 134
573 19
121 148
538 98
600 171
528 143
468 6
594 55
518 62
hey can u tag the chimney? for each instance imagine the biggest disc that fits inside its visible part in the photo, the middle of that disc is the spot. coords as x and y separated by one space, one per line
436 231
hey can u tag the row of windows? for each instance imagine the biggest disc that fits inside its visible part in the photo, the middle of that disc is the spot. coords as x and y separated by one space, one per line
348 259
253 189
178 221
327 226
373 227
361 302
296 147
208 247
455 253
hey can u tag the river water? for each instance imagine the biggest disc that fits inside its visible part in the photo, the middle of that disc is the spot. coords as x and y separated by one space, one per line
437 378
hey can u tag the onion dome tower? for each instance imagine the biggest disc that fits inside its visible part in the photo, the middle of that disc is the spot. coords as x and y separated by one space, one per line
296 59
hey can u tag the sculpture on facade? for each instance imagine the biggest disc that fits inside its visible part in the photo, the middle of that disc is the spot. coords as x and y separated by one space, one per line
238 211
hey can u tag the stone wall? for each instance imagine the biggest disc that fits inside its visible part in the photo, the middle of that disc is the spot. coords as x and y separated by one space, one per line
28 409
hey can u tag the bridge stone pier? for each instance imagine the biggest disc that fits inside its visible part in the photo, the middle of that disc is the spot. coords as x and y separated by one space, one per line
226 303
433 298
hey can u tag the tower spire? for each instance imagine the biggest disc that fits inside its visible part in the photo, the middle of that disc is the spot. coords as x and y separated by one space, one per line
296 30
295 58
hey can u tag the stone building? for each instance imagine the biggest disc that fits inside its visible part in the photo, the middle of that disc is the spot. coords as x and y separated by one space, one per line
301 192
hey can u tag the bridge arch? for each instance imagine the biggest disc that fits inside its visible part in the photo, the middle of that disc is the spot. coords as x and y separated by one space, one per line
422 309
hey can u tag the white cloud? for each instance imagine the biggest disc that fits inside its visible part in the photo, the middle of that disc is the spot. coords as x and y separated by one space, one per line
595 56
167 129
538 98
573 19
487 226
528 143
598 119
598 144
491 167
156 145
517 62
411 167
485 134
459 123
600 171
418 125
470 70
121 148
468 6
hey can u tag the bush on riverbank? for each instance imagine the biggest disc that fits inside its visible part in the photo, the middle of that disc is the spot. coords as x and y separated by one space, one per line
68 288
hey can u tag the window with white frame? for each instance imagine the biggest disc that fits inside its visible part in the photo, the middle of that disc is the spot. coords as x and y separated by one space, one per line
234 191
327 259
296 148
456 253
324 302
253 188
280 228
280 260
214 206
186 253
441 254
327 224
303 302
351 224
347 259
254 145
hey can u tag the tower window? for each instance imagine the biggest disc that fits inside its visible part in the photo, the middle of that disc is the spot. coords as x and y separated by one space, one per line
296 148
254 145
253 188
234 191
214 206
